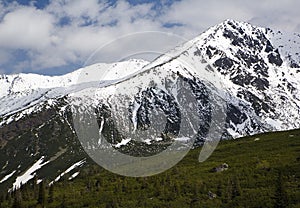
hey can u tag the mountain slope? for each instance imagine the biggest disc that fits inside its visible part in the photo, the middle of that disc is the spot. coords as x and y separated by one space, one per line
263 172
257 77
256 69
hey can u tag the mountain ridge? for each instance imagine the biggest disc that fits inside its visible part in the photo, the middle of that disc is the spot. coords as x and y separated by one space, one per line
260 87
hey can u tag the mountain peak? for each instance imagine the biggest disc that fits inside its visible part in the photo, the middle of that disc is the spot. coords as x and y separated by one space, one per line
233 25
259 85
241 43
231 22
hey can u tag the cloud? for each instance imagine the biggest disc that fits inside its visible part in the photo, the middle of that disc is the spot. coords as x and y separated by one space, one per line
26 28
199 15
78 11
67 32
49 43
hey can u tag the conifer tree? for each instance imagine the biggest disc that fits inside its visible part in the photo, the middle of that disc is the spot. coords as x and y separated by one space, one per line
219 189
42 194
17 199
236 190
177 189
2 197
63 203
281 199
51 194
35 186
228 192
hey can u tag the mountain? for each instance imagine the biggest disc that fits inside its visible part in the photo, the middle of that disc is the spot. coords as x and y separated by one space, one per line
252 72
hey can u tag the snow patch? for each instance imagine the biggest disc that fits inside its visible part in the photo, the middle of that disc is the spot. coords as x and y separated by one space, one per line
78 164
74 175
182 139
29 174
123 142
7 176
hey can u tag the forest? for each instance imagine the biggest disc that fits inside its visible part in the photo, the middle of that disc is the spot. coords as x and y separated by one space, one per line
263 171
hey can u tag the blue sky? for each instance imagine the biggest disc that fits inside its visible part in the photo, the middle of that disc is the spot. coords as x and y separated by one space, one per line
57 36
39 4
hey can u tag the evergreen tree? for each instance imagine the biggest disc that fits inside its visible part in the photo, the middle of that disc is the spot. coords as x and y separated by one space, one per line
42 194
98 185
177 189
203 188
236 189
228 192
8 196
196 188
89 185
281 199
112 204
63 202
141 200
195 203
219 189
2 197
17 203
51 194
17 199
35 186
25 191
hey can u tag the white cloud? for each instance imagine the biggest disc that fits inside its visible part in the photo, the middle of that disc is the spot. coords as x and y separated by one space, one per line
90 24
199 15
78 11
25 28
49 44
82 8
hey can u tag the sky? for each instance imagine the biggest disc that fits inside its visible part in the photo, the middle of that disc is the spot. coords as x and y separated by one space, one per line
55 37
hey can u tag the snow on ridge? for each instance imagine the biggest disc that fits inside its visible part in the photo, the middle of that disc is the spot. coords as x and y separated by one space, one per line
24 92
26 82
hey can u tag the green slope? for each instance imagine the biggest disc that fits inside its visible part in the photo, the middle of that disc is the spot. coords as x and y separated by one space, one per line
263 173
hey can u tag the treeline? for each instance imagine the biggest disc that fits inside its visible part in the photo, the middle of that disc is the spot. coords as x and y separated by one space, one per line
260 174
98 188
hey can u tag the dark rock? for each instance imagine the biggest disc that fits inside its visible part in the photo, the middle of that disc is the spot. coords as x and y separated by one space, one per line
197 52
294 65
224 64
221 168
242 78
260 83
257 104
235 115
269 47
212 195
274 58
209 51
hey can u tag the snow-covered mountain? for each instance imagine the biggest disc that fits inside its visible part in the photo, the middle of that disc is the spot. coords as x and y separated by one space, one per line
258 71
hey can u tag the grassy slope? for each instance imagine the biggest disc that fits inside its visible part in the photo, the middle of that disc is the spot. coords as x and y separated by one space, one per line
264 173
